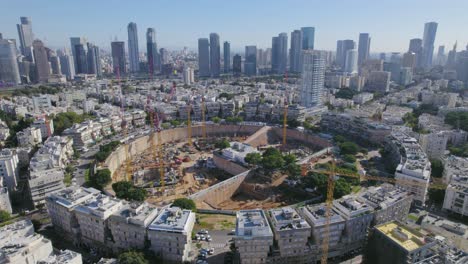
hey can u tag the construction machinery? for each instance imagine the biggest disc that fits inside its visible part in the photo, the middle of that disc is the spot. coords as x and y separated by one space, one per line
334 172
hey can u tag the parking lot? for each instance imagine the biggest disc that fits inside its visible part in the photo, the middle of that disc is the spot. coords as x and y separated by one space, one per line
220 243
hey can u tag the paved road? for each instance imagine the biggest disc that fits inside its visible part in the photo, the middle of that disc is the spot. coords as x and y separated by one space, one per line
220 243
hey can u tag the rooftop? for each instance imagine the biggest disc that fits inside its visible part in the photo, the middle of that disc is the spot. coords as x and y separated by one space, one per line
73 196
287 218
136 213
252 223
100 205
172 219
405 237
383 196
349 207
317 215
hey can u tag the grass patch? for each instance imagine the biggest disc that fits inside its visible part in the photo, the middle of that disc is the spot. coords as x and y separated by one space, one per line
356 188
412 217
67 179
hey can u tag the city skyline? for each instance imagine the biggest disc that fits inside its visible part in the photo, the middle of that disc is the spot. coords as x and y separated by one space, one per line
328 23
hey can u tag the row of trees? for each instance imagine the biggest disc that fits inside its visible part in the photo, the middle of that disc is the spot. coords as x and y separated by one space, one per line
106 150
272 159
457 120
66 120
126 190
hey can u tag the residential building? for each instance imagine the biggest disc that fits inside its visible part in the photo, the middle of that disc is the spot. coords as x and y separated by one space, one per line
394 242
313 76
413 169
9 71
46 126
170 234
342 50
379 81
215 55
118 57
5 203
189 76
456 195
92 216
254 238
434 144
351 63
388 202
29 137
9 171
204 57
41 102
43 182
291 232
128 225
133 53
81 134
237 152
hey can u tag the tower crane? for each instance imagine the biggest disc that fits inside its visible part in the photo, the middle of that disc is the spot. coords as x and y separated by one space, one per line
331 174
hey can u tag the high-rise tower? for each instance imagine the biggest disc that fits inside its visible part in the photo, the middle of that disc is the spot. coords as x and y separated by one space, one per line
133 53
203 57
430 30
215 55
26 37
296 51
227 56
363 48
313 77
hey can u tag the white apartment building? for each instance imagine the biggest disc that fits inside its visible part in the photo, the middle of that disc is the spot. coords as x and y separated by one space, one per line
434 144
292 233
55 153
61 206
358 216
414 169
63 257
43 182
316 217
9 168
46 127
170 234
4 131
129 225
454 166
29 137
81 135
388 202
92 216
41 103
189 76
5 203
456 195
254 237
237 152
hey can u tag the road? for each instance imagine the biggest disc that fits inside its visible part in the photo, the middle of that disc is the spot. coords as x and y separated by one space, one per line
220 243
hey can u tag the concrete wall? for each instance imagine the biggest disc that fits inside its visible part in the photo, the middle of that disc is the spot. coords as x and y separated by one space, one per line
227 165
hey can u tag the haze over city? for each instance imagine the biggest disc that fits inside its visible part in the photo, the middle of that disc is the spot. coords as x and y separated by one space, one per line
180 23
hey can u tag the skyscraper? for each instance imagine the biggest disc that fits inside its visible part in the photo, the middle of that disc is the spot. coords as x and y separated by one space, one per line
42 62
351 64
227 56
430 30
152 50
237 65
203 57
295 51
313 77
308 37
94 60
346 45
26 37
279 53
73 43
339 52
364 48
81 58
215 55
415 46
250 63
67 65
133 53
118 57
441 55
9 71
55 64
163 56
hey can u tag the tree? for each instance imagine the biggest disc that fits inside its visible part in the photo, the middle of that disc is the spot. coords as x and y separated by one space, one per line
293 123
345 93
289 158
126 190
293 170
101 178
339 139
436 195
437 168
349 158
132 257
4 216
348 148
253 158
272 162
184 203
342 188
222 144
216 119
457 120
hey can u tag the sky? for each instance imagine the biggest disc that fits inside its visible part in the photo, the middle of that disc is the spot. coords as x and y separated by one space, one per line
179 23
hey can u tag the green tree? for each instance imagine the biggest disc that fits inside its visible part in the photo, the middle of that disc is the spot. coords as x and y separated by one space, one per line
339 139
101 178
293 123
457 120
289 159
349 158
132 257
4 216
345 93
436 196
342 188
348 148
126 190
222 144
185 203
437 168
293 170
216 119
253 158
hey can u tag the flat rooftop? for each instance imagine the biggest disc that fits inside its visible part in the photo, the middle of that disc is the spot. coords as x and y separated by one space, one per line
316 214
252 223
349 206
383 196
100 205
137 213
405 237
287 218
73 195
172 219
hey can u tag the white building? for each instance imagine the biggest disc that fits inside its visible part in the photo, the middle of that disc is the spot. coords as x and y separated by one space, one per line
29 137
351 63
434 144
41 103
456 195
5 203
292 234
129 225
170 234
313 77
46 126
9 168
254 237
238 151
189 76
43 182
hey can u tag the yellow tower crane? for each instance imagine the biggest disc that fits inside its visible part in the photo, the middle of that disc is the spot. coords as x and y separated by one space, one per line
332 173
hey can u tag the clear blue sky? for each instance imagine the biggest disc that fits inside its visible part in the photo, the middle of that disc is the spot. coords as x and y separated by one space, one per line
179 23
